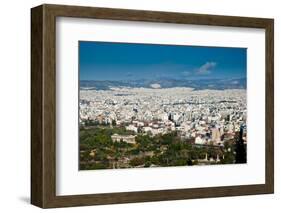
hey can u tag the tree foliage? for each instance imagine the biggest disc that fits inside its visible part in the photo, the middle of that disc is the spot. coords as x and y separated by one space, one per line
98 151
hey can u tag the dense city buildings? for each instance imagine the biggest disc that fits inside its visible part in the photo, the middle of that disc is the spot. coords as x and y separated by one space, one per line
196 119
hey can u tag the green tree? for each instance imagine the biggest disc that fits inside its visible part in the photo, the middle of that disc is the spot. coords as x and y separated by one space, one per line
137 161
240 148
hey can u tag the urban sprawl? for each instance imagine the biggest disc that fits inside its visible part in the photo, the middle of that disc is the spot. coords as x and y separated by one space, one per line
152 127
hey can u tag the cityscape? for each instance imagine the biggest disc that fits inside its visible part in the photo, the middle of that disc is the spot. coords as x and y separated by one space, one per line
180 118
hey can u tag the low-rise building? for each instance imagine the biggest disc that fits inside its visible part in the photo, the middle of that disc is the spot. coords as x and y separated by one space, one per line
125 138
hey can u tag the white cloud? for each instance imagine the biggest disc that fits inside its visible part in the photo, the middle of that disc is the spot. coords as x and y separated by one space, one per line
206 68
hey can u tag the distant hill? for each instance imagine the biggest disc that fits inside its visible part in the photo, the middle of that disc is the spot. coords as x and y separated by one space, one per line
216 84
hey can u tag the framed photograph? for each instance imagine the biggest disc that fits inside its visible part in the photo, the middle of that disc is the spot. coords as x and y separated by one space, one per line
136 106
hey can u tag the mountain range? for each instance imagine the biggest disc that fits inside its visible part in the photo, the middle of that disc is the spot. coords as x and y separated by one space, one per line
198 84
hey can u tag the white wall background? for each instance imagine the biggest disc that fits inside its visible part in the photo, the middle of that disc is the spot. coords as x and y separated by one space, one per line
15 105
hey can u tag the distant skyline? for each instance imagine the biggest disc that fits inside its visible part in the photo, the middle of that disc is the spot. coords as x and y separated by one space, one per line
131 61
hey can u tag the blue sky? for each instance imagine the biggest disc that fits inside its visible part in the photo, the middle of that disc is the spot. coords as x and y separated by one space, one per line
128 61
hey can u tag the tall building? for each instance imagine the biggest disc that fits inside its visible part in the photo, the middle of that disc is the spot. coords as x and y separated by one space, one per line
216 135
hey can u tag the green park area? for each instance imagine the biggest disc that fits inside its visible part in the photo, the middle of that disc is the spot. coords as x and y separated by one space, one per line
99 151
